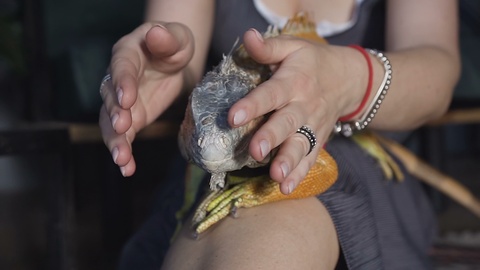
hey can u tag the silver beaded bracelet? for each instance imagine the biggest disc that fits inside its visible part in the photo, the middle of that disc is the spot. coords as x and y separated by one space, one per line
346 129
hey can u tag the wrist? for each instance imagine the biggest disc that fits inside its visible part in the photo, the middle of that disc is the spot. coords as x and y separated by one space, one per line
372 99
352 81
360 108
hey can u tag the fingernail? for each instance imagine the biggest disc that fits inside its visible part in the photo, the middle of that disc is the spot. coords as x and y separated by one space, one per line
122 170
239 117
291 187
114 119
120 95
264 148
115 154
161 26
285 169
259 36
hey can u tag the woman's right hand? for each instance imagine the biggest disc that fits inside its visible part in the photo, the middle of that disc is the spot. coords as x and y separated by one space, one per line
148 70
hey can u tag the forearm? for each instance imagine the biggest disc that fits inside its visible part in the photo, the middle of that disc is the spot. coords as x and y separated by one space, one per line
423 80
423 51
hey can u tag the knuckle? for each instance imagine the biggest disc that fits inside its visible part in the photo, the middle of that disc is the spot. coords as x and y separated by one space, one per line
271 136
122 62
261 100
270 99
290 120
304 142
273 48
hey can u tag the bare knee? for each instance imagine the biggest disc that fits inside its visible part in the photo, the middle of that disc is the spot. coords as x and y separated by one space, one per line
284 235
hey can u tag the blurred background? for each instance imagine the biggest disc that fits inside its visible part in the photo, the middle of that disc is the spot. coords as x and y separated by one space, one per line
64 204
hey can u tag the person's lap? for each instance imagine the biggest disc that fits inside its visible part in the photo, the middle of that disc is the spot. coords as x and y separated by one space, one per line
373 220
296 234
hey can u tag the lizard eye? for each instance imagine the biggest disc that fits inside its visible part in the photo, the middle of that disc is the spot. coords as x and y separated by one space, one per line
222 91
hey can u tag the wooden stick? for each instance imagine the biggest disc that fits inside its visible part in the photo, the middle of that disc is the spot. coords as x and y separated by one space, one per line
426 173
459 116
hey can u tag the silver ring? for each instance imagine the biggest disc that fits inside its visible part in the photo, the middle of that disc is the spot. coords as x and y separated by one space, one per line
312 139
105 79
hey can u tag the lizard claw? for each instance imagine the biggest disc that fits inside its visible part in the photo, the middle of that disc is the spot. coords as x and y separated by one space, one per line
217 181
219 204
234 212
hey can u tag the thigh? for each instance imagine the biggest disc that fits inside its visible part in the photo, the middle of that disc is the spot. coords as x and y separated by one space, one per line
294 234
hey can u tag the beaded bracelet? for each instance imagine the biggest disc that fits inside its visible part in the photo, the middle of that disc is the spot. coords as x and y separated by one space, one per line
347 128
351 115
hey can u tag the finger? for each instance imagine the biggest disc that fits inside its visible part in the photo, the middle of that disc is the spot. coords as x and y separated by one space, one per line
129 168
271 50
288 158
167 48
279 89
125 65
118 144
281 129
284 125
299 171
289 83
288 165
120 119
267 97
171 46
280 125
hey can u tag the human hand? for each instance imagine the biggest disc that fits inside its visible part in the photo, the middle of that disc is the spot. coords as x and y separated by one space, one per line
148 71
308 87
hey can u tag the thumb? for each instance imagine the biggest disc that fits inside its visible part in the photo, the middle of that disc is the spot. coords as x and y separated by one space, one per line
171 46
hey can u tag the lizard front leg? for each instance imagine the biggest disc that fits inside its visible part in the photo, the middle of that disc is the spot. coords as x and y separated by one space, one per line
249 192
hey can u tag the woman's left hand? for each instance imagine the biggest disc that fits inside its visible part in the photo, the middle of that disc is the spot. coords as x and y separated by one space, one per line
307 88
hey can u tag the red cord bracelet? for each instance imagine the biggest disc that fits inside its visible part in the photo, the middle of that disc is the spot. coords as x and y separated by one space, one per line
369 85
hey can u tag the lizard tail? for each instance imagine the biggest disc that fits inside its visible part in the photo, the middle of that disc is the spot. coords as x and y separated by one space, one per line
431 176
